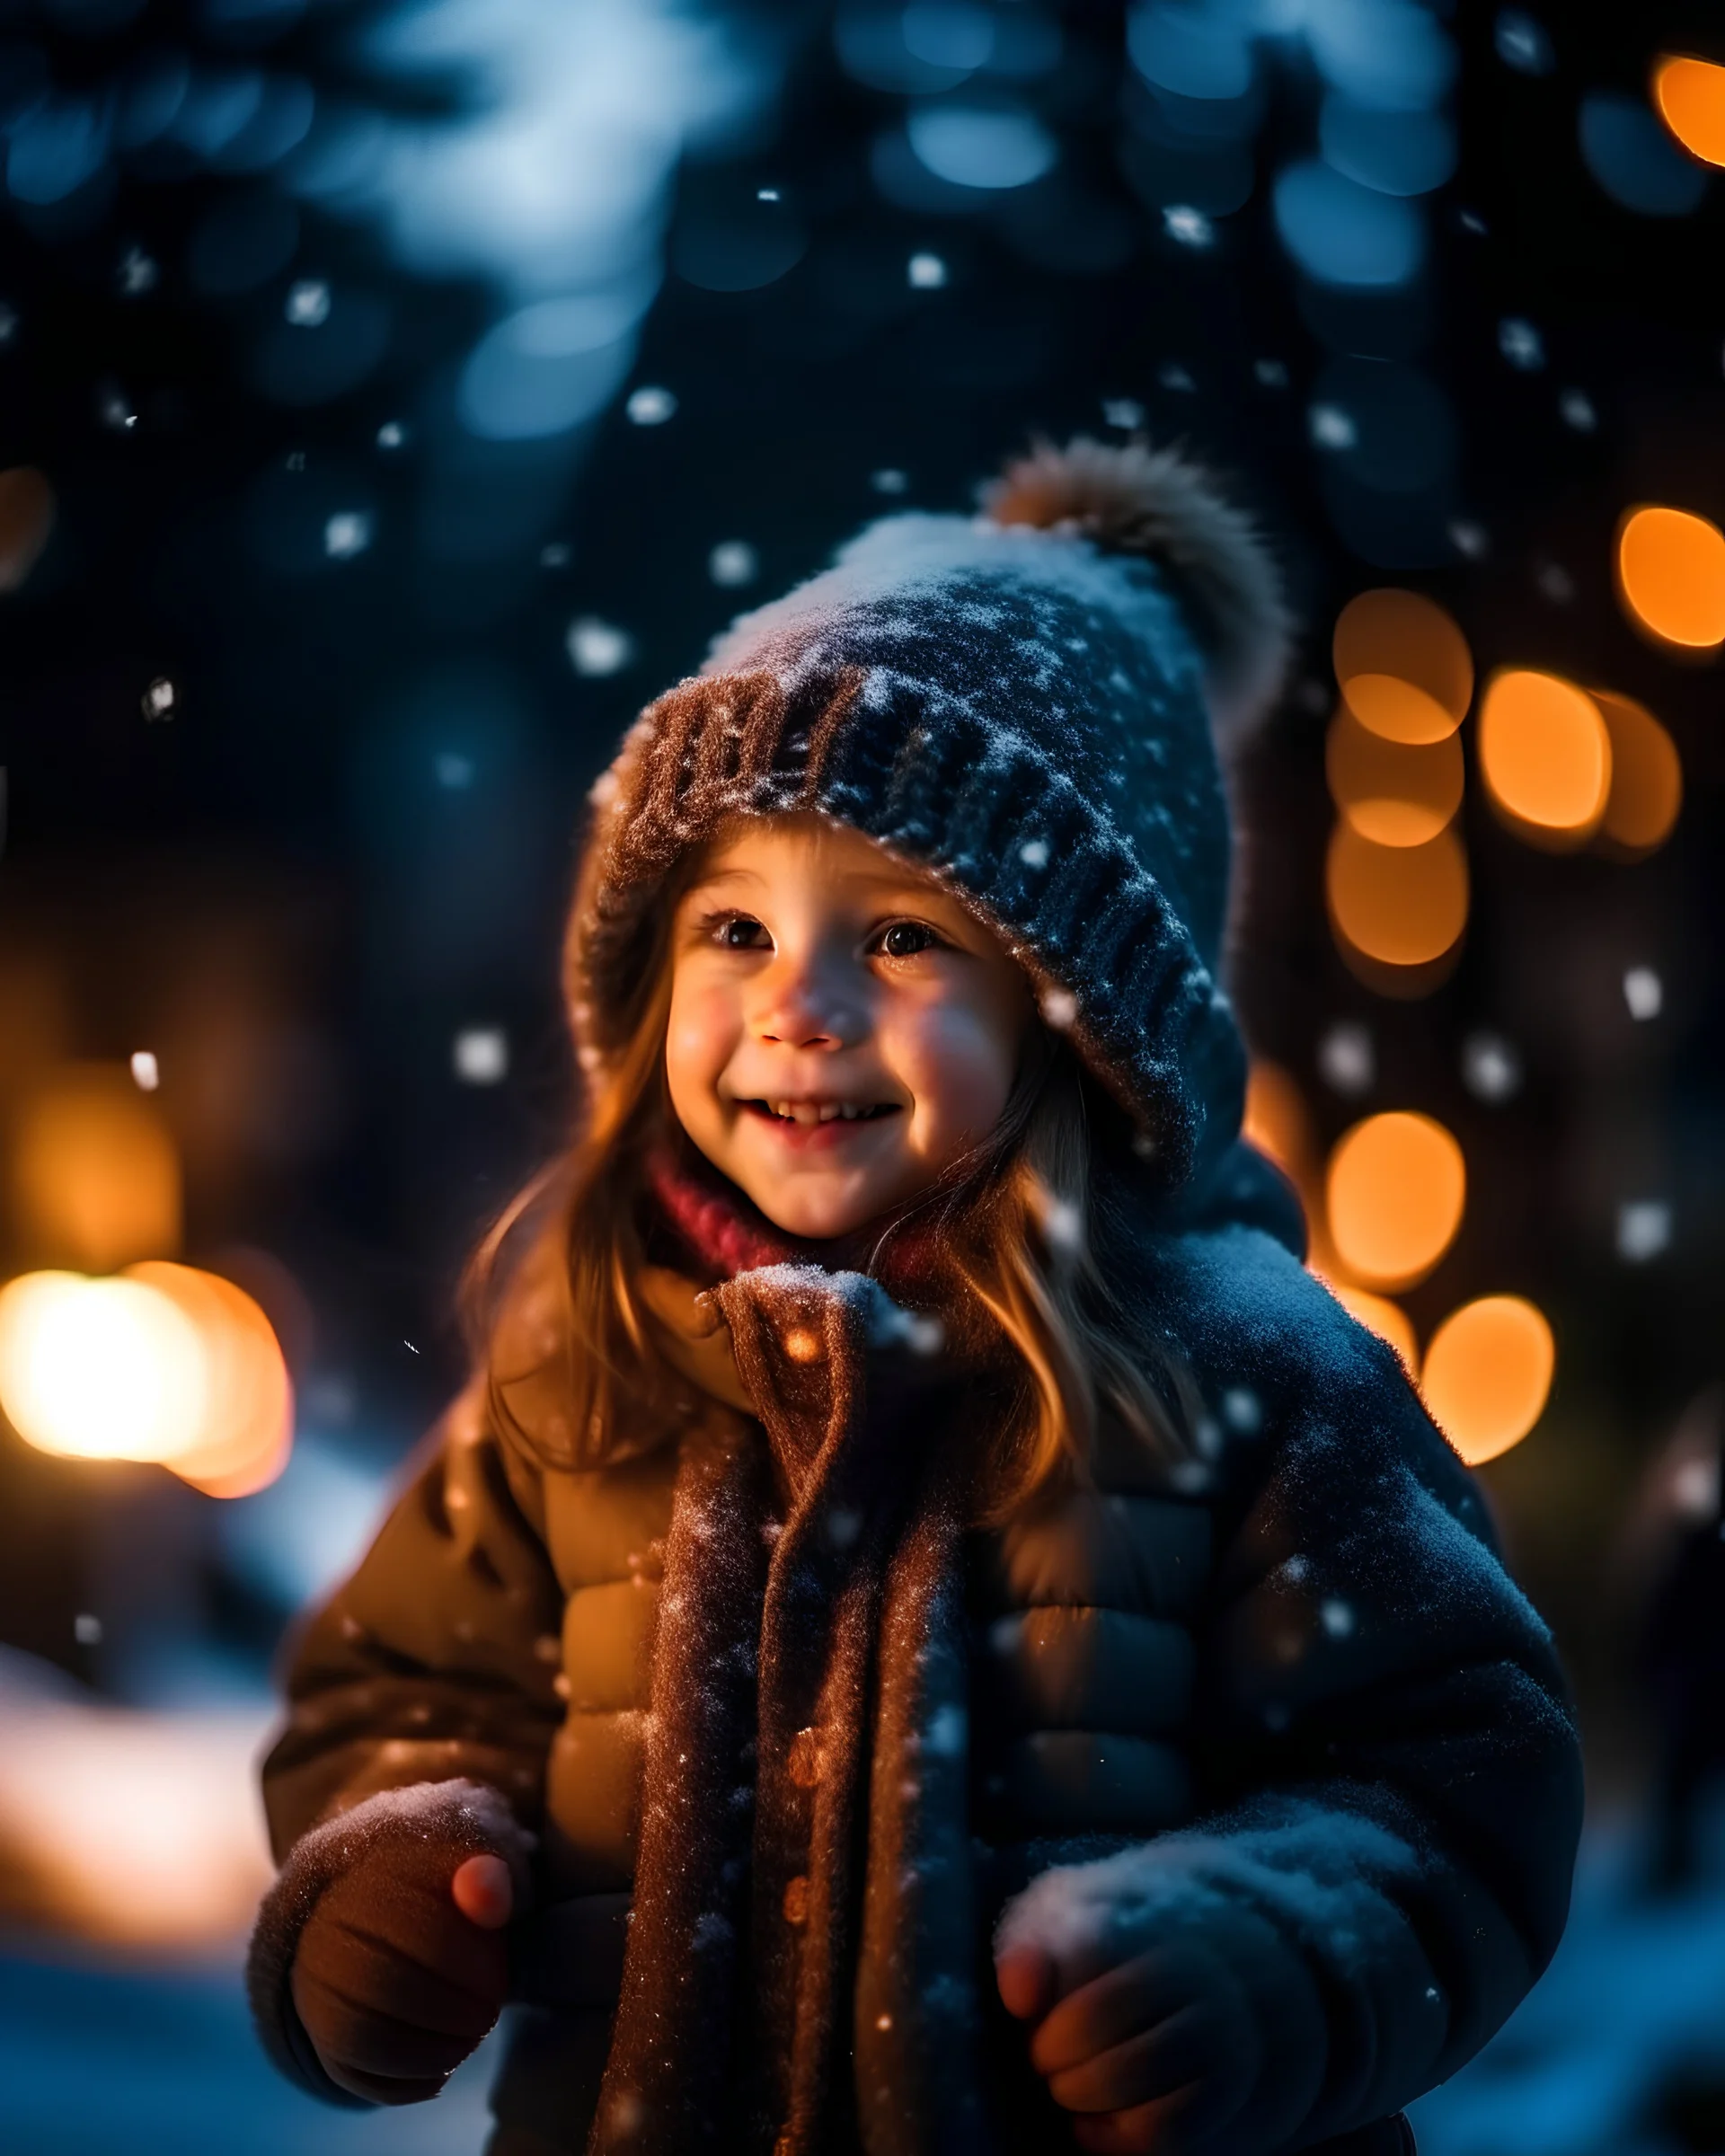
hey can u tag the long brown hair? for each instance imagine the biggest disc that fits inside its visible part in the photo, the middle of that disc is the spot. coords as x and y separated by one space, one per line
551 1299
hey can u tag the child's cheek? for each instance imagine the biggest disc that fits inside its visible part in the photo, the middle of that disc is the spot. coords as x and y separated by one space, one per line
959 1065
699 1042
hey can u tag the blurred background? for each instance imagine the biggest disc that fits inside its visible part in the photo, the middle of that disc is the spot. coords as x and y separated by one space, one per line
395 394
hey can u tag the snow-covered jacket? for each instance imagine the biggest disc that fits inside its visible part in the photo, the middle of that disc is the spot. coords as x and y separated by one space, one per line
1292 1678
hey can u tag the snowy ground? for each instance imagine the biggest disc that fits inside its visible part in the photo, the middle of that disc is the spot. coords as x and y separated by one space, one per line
1620 2052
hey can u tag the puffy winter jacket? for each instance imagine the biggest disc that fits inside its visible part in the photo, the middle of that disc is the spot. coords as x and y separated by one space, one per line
1302 1679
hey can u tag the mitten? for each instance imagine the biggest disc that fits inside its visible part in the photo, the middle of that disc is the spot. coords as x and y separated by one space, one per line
1168 2016
371 1975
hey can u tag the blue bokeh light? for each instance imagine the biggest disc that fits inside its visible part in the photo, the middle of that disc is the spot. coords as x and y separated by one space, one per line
1392 54
1193 53
1340 233
981 145
1396 152
1629 153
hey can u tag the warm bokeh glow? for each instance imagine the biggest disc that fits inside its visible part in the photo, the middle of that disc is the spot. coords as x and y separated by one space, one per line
26 519
1487 1373
99 1369
1392 794
95 1174
1387 1319
1276 1120
1396 1187
1400 905
1545 757
164 1364
242 1441
1690 97
1646 778
1671 576
1403 666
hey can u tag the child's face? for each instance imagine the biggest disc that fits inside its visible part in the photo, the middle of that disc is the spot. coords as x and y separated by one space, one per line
840 1030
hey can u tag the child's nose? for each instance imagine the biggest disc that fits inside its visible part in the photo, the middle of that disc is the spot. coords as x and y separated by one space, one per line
807 1008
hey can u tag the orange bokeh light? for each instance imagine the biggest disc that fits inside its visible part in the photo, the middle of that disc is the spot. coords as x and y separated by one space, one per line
1646 777
243 1439
1403 666
1387 1319
1689 96
1545 757
1671 576
161 1363
95 1172
1395 1189
1400 905
26 519
1392 794
1488 1374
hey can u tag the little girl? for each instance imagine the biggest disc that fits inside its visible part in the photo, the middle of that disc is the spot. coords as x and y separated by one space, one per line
929 1632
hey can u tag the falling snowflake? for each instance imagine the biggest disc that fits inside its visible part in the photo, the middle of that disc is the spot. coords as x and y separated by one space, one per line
1242 1411
1643 993
1347 1059
1469 538
1174 376
1063 1224
734 562
1643 1229
598 648
1577 409
1521 344
890 480
455 772
1296 1568
158 700
86 1630
650 406
1125 412
767 194
1555 583
390 435
1034 852
138 273
1337 1618
346 533
925 273
145 1074
1190 227
1522 43
1271 373
116 409
481 1056
1490 1067
1059 1008
1332 428
1470 220
307 303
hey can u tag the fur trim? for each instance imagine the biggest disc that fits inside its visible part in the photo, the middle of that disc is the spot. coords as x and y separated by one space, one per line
1134 500
471 1815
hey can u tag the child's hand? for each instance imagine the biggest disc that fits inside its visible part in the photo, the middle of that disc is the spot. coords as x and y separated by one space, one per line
1155 2032
402 1968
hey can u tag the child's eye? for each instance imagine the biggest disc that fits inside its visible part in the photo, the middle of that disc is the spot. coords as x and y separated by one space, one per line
740 931
906 940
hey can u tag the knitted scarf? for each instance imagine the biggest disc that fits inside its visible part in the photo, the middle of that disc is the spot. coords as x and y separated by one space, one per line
803 1884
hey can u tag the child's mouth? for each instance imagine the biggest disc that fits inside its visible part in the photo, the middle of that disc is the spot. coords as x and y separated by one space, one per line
820 1122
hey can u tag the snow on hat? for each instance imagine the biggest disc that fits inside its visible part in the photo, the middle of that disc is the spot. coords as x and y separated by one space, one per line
1022 704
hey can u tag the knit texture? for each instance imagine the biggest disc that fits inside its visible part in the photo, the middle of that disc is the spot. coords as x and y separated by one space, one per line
1016 709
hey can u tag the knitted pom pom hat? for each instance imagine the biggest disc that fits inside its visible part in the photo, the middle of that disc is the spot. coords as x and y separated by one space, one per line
1026 704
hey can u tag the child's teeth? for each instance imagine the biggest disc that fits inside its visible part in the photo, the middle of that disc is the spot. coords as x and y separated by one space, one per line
830 1112
849 1112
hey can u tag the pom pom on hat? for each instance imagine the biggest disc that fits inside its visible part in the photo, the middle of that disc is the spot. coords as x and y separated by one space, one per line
1130 499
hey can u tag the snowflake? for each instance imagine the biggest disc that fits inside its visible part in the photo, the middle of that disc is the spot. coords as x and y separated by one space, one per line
925 273
1190 227
390 435
159 699
1125 412
455 772
1034 852
1468 537
650 406
145 1074
734 562
307 303
1271 373
1490 1067
1059 1008
890 480
1332 428
1521 344
1338 1618
1643 1230
598 648
481 1056
1643 991
1578 411
346 533
1347 1059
